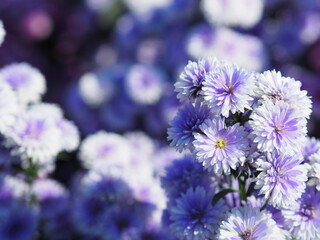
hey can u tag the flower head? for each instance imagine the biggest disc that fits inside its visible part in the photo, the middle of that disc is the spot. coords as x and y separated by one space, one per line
28 83
106 152
2 33
282 179
190 82
271 85
278 127
193 217
229 89
246 223
186 123
303 218
220 148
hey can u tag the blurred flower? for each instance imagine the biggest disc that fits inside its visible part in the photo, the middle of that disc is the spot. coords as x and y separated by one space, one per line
144 84
193 217
105 152
243 13
2 32
220 148
249 223
27 82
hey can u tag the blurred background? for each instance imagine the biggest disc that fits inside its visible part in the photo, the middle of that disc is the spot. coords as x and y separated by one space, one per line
111 64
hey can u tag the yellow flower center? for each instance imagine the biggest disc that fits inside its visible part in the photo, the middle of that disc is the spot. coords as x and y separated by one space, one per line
221 143
279 128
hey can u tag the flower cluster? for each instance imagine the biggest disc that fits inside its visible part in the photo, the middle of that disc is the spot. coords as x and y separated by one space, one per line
248 131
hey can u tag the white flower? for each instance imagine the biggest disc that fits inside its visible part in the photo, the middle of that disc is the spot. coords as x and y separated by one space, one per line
2 33
27 81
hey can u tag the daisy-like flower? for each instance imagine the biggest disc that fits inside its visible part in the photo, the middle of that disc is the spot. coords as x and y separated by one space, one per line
244 13
220 148
303 218
69 133
247 223
311 147
193 217
2 33
8 107
229 89
282 179
106 152
314 175
271 85
34 136
190 81
27 81
144 84
186 123
278 127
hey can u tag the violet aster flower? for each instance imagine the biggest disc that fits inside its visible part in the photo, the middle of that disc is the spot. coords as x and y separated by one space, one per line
28 83
186 123
229 89
190 82
271 85
311 147
193 217
246 223
220 148
278 127
282 179
303 218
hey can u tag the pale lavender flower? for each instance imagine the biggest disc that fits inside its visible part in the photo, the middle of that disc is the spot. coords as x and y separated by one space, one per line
271 85
246 223
186 123
278 127
314 174
105 152
220 148
190 81
229 89
34 136
282 179
9 107
144 84
27 82
303 218
311 147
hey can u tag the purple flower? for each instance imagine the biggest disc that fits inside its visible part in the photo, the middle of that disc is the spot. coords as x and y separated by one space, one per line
193 216
229 88
186 123
282 179
246 223
311 147
278 127
190 82
303 218
220 148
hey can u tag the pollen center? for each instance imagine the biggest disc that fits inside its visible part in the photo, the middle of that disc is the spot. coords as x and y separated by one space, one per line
279 128
221 143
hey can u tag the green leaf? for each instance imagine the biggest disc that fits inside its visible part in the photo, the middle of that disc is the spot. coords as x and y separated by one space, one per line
221 194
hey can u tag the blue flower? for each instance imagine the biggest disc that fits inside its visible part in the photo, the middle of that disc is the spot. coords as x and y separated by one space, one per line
193 217
183 174
186 123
